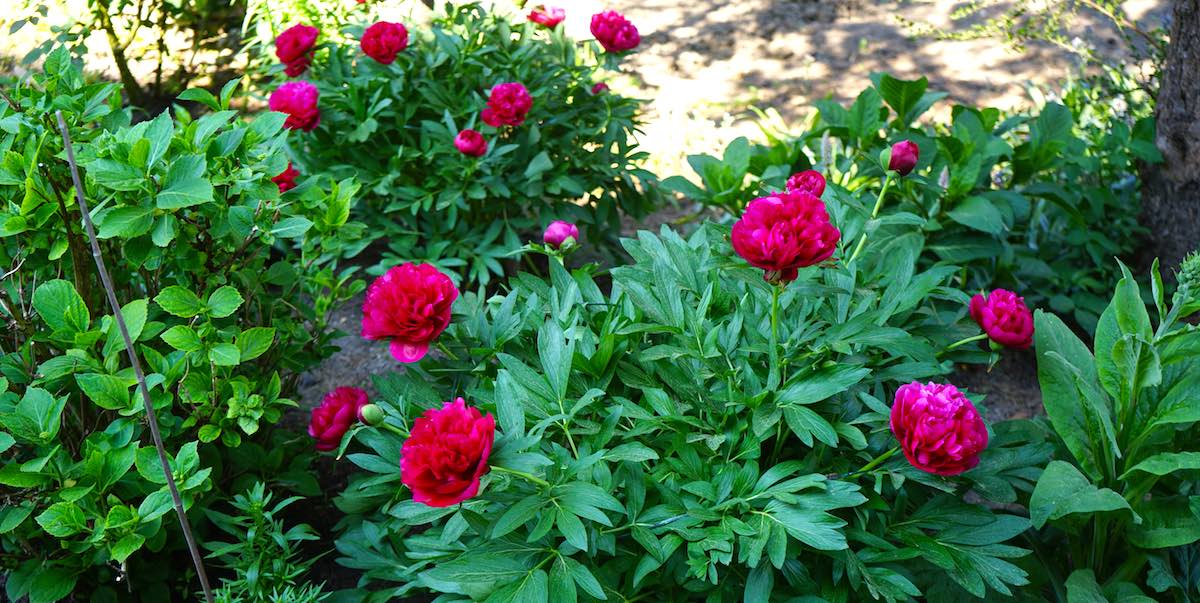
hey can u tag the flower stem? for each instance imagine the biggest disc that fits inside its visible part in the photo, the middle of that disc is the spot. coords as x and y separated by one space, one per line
445 350
521 474
862 240
392 428
877 461
962 342
773 374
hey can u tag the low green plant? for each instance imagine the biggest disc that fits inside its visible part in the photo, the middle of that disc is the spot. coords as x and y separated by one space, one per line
264 556
1118 509
225 286
1014 199
693 434
574 158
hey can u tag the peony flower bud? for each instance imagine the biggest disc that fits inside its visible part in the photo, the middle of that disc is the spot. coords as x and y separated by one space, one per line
903 157
808 181
599 87
382 41
785 232
469 142
547 16
614 32
938 428
558 233
369 414
299 101
447 453
410 306
507 105
332 419
1005 318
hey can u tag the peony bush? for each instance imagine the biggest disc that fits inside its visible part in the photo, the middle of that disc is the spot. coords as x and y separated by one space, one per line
683 428
471 133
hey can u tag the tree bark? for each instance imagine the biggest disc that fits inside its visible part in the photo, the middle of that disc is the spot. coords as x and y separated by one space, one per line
1171 199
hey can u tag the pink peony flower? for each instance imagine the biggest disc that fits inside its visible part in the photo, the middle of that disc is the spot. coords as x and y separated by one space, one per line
294 48
558 232
547 16
808 181
938 428
383 41
1005 318
299 101
508 104
614 32
599 87
469 142
333 418
784 232
904 157
409 305
286 180
446 453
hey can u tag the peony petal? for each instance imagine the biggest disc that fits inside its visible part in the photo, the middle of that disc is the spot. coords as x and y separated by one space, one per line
408 352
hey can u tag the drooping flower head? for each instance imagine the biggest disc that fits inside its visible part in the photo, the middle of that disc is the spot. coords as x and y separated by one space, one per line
294 48
808 181
286 180
904 157
1005 318
471 143
507 105
547 16
784 232
333 418
446 453
382 41
410 306
558 232
614 32
299 101
938 428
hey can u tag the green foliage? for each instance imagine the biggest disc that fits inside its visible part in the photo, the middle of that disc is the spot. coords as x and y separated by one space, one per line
1014 199
265 558
1121 499
225 283
393 127
680 464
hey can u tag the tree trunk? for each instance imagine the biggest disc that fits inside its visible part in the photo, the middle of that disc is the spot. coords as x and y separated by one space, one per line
1172 189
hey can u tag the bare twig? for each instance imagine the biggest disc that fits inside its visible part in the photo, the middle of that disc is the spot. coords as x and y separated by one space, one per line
151 416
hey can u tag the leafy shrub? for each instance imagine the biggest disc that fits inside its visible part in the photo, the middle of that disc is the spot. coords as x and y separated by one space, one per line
225 286
1121 492
680 437
394 126
1015 199
264 557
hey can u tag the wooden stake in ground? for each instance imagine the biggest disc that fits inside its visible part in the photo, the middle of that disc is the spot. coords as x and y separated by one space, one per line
151 417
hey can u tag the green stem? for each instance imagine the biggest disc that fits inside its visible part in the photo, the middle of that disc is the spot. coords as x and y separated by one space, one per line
521 474
963 342
877 461
392 428
862 240
773 375
445 350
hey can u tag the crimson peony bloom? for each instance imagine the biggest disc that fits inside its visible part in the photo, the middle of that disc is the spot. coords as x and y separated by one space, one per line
508 104
599 87
383 41
333 418
558 232
410 305
1005 318
808 181
286 180
784 232
446 453
470 142
904 157
938 428
614 32
294 48
299 101
547 16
